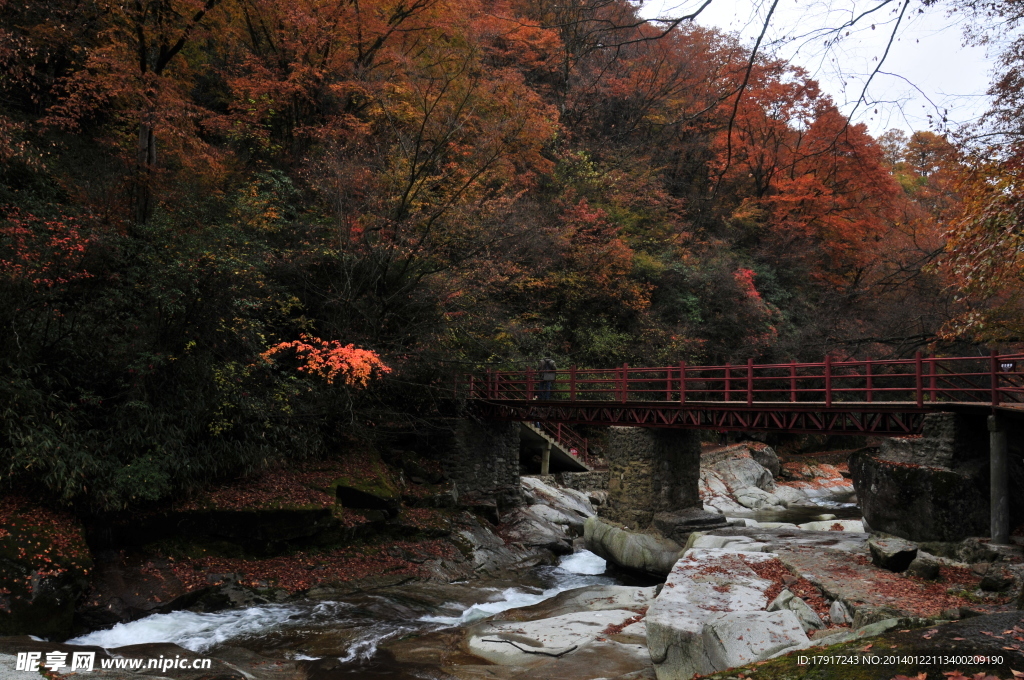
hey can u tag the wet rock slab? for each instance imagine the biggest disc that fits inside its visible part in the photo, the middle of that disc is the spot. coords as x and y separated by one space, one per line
536 643
710 616
591 598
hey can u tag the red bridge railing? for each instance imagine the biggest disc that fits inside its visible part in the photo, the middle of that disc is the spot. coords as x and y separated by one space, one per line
577 445
997 379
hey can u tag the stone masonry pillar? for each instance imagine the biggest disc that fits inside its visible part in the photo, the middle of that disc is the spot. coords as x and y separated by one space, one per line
483 461
652 481
999 475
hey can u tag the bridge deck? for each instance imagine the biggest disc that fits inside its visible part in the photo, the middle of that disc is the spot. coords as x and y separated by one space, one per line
877 418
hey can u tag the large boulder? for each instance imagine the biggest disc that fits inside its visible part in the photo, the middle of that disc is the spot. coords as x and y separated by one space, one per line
532 527
710 616
935 487
732 481
814 481
630 549
922 503
572 505
737 638
893 554
765 457
680 524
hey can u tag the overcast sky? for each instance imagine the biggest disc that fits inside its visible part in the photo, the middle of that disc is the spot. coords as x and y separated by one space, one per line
927 68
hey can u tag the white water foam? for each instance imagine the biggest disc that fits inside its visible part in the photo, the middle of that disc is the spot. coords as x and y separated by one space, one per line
365 647
583 562
193 631
511 599
201 632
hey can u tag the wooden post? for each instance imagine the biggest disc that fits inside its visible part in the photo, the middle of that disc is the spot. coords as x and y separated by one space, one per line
750 382
682 382
572 383
792 381
918 379
867 370
727 372
994 369
828 381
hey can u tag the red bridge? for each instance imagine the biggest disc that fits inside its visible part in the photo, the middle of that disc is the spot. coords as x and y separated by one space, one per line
883 397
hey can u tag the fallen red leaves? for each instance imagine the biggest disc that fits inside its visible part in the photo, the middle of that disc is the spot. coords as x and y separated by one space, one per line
301 571
615 629
775 571
957 675
285 487
916 596
37 543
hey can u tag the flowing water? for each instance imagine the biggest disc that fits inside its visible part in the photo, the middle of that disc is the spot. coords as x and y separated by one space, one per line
344 637
350 637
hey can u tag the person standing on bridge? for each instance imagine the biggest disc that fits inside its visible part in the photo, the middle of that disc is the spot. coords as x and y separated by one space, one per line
546 370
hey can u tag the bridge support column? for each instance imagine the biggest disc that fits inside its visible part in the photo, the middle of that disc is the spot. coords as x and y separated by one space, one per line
483 460
545 459
652 481
1000 475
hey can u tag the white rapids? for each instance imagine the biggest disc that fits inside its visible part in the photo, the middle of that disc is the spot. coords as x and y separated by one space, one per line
202 632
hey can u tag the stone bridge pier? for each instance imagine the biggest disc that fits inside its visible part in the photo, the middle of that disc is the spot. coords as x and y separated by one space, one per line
962 477
482 458
652 482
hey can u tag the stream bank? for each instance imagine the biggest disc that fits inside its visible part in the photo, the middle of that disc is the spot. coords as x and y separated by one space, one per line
526 601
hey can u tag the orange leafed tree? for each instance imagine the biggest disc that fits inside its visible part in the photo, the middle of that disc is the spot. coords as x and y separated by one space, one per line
332 361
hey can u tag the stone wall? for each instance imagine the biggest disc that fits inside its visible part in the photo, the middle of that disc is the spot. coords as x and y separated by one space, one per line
650 471
935 487
483 461
595 480
947 440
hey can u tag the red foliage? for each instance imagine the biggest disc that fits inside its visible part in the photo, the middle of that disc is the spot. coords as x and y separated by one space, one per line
43 543
615 629
331 360
301 571
42 253
781 577
285 487
916 596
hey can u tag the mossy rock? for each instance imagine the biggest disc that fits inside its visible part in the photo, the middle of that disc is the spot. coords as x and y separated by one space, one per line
44 567
367 484
899 652
368 474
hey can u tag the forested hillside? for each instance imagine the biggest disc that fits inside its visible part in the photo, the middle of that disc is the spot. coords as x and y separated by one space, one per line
241 231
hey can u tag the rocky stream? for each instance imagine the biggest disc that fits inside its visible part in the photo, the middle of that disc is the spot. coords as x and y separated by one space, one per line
554 590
